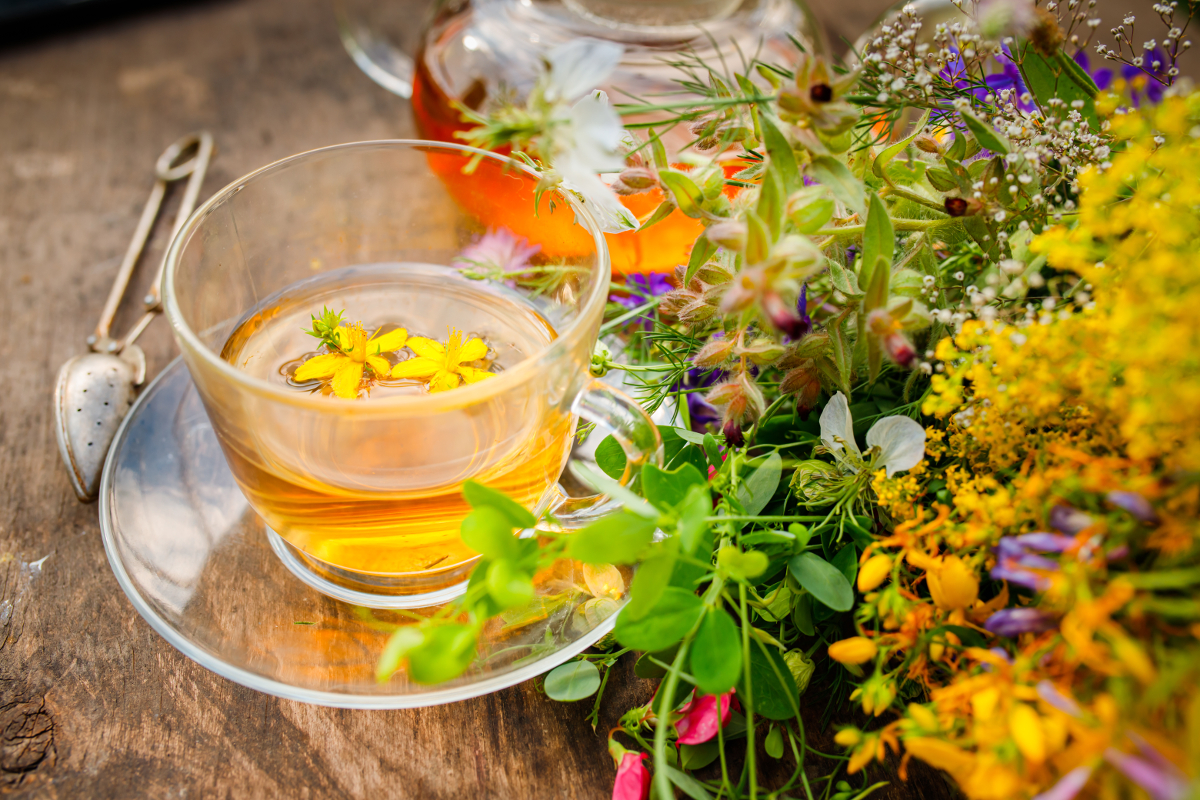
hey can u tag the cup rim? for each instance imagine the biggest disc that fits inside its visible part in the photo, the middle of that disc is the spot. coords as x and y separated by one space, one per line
466 395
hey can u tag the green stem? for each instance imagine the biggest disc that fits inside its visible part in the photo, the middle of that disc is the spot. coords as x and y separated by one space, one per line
751 755
662 783
767 518
904 224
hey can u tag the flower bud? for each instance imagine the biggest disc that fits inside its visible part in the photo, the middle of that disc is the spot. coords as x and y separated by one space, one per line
790 99
953 584
820 92
730 234
805 382
638 178
783 317
713 354
928 144
733 434
848 737
955 206
855 650
874 572
801 667
633 779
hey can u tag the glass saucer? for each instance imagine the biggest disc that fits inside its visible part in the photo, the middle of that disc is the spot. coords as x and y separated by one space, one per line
198 564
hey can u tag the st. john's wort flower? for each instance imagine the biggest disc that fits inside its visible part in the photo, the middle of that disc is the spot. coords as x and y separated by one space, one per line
444 366
355 357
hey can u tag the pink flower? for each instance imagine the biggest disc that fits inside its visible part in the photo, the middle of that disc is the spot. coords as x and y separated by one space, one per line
633 779
699 722
498 254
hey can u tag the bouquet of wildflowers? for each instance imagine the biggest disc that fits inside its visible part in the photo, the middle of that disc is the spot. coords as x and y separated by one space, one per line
935 366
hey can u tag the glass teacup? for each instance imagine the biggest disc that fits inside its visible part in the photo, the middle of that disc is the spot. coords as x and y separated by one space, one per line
366 492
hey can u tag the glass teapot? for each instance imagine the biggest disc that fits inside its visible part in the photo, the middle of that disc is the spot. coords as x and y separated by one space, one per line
477 52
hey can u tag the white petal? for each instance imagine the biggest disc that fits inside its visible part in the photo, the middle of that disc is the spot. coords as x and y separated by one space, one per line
836 421
579 66
593 134
901 443
600 201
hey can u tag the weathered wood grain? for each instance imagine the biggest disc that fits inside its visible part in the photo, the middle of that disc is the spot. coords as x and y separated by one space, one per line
92 702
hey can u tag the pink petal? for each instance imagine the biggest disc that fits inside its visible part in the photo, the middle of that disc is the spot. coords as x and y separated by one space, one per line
633 779
699 723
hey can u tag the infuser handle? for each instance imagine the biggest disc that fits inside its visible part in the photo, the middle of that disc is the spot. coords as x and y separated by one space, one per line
633 429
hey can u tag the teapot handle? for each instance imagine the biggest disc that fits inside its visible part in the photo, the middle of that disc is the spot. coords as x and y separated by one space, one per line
379 57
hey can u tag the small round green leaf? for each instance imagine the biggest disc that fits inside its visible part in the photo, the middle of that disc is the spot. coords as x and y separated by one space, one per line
479 495
444 654
823 580
772 686
616 539
671 618
489 531
572 681
509 586
774 743
716 658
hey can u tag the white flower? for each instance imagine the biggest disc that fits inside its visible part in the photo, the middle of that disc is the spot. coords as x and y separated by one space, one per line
900 441
588 142
578 66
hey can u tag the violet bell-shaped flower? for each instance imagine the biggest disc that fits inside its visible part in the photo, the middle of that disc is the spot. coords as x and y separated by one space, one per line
1012 622
1150 770
898 442
1017 562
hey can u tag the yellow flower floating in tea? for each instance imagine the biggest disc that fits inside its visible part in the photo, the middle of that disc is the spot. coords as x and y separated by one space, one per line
444 366
352 354
355 358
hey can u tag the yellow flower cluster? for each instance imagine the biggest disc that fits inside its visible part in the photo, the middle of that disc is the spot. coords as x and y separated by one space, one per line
1095 401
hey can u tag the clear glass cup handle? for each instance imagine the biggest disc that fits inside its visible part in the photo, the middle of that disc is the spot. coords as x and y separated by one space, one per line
375 54
633 429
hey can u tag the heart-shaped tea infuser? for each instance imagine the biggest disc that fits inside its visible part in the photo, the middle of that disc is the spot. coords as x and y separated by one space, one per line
95 390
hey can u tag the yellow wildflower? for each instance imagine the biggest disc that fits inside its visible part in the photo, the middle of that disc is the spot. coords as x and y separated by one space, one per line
874 572
355 354
854 650
1026 728
445 366
953 584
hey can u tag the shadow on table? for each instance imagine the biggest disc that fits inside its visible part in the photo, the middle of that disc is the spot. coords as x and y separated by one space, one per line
26 22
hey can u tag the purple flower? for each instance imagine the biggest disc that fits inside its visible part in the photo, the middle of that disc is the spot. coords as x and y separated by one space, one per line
701 412
1154 77
1016 560
1161 779
499 254
1068 785
1102 76
1009 78
639 289
1134 503
1069 520
1012 622
1047 691
1045 542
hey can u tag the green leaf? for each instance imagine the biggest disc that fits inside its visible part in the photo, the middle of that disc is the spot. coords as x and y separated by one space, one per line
712 450
879 242
687 784
573 681
699 756
1050 78
658 151
772 202
446 652
833 175
757 488
702 250
879 285
610 457
508 585
684 191
397 647
649 582
671 618
716 655
802 616
667 489
987 136
781 154
593 477
665 209
774 742
957 150
1163 579
479 495
823 580
758 238
742 565
615 539
1077 73
843 280
693 518
813 216
489 531
774 690
884 158
842 352
940 179
846 561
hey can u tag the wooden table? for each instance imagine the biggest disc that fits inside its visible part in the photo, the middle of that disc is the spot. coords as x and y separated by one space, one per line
92 702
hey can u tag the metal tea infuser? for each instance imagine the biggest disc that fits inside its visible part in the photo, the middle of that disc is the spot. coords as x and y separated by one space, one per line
95 390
